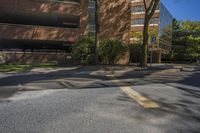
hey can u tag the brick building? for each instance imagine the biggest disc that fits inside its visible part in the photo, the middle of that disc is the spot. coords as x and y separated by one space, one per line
160 27
49 27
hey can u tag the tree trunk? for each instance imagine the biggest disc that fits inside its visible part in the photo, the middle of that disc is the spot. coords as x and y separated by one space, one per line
145 42
96 30
149 11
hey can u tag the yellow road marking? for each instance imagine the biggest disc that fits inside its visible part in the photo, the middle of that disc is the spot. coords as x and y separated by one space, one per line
143 101
65 84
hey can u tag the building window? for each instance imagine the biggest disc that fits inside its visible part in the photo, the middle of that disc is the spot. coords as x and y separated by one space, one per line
140 9
91 4
76 1
91 24
141 21
154 21
138 22
39 19
137 9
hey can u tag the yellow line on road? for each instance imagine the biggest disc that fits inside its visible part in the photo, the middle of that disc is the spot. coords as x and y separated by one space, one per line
143 101
65 84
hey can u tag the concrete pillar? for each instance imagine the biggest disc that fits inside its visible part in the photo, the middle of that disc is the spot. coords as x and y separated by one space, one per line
84 17
2 59
159 56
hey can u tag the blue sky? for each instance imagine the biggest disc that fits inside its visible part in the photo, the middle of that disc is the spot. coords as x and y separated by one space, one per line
184 9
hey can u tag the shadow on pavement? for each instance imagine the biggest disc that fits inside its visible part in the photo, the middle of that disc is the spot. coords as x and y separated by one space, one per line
84 73
184 111
6 93
193 80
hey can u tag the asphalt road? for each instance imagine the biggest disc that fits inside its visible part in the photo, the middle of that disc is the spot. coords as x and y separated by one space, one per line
85 101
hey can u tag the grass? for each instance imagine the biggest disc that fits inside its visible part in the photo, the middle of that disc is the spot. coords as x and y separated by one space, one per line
23 67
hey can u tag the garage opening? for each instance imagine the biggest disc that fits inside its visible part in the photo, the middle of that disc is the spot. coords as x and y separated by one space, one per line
39 19
35 46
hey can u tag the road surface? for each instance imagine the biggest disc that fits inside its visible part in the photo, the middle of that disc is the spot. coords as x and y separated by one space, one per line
71 101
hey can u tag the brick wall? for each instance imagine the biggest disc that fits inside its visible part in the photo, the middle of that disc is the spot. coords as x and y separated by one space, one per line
41 6
115 19
35 57
44 33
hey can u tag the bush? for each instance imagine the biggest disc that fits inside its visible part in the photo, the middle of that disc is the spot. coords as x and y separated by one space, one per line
135 53
111 50
83 51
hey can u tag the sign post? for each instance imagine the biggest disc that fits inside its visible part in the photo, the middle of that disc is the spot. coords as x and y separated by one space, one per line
198 57
152 42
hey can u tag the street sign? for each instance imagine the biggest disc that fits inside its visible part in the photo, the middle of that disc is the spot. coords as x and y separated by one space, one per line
153 40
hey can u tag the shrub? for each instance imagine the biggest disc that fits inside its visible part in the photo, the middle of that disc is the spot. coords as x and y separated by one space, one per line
135 53
83 51
111 50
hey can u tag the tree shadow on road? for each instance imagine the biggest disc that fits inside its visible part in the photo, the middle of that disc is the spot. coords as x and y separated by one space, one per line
83 73
171 114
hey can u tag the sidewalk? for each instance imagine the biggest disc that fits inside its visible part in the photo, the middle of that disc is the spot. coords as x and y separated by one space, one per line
175 67
80 77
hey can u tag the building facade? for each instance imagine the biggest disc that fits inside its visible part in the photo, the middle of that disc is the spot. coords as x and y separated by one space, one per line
54 25
41 25
160 28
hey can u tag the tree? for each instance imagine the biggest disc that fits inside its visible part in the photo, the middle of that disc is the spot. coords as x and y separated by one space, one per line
192 28
186 40
111 50
150 8
135 53
83 51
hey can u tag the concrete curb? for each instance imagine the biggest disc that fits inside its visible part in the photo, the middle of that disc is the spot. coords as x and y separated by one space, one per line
174 70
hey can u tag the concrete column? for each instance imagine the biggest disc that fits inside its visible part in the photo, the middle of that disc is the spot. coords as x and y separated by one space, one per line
84 18
159 56
2 59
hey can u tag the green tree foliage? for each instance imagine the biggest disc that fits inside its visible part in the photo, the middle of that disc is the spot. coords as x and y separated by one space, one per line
83 51
137 36
186 40
136 47
191 26
110 50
